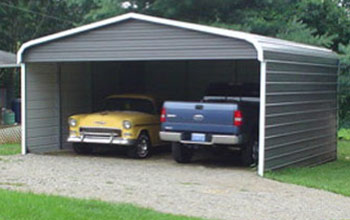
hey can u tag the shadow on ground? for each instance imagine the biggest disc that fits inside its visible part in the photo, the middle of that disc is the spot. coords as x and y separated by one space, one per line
210 159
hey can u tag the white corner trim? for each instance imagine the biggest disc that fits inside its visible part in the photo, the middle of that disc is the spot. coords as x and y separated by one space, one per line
185 25
262 116
23 110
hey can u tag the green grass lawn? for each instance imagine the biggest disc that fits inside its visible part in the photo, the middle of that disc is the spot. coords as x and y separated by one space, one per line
333 176
17 205
10 149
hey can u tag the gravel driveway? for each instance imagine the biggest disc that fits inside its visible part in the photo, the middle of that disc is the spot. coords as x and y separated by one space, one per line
204 189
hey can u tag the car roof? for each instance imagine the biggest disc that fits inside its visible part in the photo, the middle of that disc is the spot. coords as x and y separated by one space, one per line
132 96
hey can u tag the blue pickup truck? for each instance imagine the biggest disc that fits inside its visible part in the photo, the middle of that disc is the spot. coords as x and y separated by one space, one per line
226 117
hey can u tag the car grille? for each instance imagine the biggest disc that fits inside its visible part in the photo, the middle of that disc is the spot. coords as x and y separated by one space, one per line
100 131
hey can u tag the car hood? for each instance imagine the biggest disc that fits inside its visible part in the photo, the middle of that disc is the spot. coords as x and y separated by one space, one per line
114 118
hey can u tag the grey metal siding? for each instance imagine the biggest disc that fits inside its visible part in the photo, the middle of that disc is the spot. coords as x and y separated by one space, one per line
75 90
301 110
42 108
140 40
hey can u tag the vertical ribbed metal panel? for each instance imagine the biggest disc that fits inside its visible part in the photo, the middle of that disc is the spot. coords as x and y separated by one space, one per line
301 115
42 108
75 90
140 40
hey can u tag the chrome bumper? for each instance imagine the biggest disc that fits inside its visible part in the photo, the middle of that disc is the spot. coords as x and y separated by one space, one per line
216 139
101 140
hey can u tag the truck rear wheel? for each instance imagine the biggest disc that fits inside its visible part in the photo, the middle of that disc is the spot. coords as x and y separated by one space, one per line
249 153
81 148
181 153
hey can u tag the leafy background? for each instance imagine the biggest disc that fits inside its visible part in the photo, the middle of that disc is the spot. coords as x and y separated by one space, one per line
318 22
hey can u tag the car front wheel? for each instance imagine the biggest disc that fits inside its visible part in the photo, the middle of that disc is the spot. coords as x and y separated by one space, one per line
81 148
142 149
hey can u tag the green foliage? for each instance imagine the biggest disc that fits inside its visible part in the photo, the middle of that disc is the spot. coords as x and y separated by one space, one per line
17 205
102 9
296 30
325 17
344 86
23 20
344 134
10 149
334 176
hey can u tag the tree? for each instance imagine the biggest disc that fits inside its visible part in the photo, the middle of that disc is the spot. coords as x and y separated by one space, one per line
23 20
322 23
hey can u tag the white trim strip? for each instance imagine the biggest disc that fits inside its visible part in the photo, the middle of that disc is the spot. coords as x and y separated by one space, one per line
262 119
23 108
9 65
301 63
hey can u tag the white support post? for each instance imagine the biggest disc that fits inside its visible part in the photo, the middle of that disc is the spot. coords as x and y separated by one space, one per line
23 108
262 118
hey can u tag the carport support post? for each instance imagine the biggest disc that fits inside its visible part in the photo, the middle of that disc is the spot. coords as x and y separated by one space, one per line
262 118
23 108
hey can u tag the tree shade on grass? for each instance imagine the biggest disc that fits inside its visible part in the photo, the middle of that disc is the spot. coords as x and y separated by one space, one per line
17 205
333 176
10 149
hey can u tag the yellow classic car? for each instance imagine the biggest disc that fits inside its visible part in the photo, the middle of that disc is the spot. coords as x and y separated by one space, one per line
130 120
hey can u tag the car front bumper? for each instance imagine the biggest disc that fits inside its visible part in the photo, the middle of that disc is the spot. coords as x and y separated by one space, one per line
215 139
101 140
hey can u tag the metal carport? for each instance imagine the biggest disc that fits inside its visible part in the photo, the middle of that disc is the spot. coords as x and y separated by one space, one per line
298 83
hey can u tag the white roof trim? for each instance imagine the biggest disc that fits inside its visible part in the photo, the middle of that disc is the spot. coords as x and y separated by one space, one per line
9 65
251 38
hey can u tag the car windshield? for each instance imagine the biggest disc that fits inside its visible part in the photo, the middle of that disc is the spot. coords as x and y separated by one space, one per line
129 104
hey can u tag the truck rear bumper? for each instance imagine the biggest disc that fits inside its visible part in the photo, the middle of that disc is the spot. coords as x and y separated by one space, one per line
215 139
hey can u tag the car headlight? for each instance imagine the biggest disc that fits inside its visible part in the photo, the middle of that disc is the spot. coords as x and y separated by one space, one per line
72 122
127 124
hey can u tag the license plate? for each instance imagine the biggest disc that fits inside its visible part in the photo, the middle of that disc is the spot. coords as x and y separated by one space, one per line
198 137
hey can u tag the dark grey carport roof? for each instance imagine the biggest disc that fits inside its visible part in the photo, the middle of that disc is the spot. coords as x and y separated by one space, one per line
262 44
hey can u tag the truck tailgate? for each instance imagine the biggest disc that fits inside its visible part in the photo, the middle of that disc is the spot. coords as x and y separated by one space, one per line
200 117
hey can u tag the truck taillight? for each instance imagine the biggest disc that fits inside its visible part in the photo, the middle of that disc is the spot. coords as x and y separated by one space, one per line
163 115
238 118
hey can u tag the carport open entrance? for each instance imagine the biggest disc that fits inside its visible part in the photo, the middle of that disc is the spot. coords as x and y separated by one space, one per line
83 86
